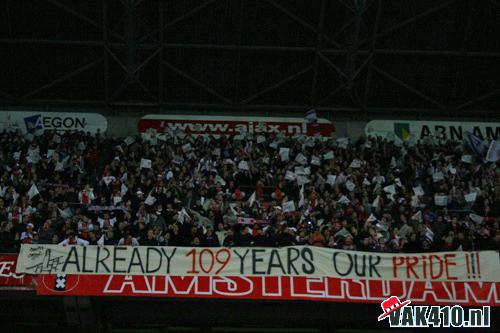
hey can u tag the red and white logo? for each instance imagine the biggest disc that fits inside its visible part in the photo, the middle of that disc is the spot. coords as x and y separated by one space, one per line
390 305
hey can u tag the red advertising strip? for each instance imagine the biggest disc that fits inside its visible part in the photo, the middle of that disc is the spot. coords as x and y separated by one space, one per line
273 288
235 125
9 280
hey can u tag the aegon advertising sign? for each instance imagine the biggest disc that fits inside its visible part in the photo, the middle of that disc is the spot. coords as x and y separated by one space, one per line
26 121
418 130
287 273
222 125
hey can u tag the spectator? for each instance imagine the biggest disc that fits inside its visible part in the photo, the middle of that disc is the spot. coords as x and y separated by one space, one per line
371 195
72 239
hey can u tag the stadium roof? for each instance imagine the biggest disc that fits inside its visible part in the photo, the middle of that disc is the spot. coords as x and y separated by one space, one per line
359 58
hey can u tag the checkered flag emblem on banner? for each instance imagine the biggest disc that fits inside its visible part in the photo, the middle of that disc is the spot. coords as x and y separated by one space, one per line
60 282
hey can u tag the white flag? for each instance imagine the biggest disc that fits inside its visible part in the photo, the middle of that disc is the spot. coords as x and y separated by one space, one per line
301 180
252 198
476 218
129 140
123 190
437 176
315 160
289 206
182 215
441 200
145 163
284 154
290 175
301 159
331 179
108 179
116 200
419 191
150 200
376 202
355 164
328 156
390 189
397 181
414 201
301 195
344 200
243 165
471 197
300 171
493 154
393 162
429 234
50 153
63 213
350 185
343 142
417 216
467 159
33 191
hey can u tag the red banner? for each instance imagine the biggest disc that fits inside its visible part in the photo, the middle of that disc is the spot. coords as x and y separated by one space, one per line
272 287
234 125
9 280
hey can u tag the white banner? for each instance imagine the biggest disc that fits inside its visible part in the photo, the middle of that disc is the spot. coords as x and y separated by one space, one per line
58 121
407 130
287 261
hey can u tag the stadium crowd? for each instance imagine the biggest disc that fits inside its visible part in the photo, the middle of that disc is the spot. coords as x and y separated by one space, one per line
178 190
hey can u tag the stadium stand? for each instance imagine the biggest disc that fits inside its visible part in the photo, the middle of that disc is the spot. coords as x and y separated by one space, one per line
369 195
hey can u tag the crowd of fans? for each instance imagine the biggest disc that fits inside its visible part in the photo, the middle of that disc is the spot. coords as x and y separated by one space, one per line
178 190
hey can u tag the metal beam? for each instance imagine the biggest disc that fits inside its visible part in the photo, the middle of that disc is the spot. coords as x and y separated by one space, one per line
319 38
237 65
267 48
105 49
64 77
333 66
417 17
196 82
178 19
161 47
331 94
408 87
495 3
7 95
353 51
299 109
372 48
478 99
301 22
460 61
81 17
276 85
131 38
